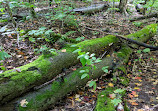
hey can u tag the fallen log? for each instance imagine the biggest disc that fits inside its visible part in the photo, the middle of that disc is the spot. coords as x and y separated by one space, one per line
13 83
90 9
144 17
43 98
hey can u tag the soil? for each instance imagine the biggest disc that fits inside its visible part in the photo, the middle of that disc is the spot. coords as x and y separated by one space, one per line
142 67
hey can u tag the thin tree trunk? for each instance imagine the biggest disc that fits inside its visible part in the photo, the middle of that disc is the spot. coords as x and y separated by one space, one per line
123 6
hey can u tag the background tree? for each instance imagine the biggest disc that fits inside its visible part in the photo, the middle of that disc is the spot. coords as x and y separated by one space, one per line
122 6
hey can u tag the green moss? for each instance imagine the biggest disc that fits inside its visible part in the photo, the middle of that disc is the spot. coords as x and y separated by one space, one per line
124 53
5 20
104 102
88 45
144 34
124 81
122 68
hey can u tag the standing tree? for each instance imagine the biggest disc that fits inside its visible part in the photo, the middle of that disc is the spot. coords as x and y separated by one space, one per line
122 6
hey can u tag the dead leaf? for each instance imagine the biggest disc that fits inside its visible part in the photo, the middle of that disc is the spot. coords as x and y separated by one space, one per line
10 36
138 78
140 110
63 50
23 103
74 69
136 88
110 84
130 95
99 88
20 53
132 102
18 69
138 84
78 99
112 96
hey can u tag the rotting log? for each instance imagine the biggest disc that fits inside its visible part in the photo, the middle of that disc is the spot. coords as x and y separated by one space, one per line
100 105
13 83
90 9
48 95
44 97
144 17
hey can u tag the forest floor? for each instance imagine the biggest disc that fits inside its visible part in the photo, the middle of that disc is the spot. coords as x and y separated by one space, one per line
142 68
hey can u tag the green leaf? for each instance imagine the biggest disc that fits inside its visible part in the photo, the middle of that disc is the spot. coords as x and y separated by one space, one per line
94 86
87 70
92 55
32 32
94 58
48 32
98 60
116 101
78 39
146 50
32 39
3 68
119 90
86 56
93 83
84 76
94 67
3 29
4 55
139 51
81 53
83 61
77 50
82 71
73 45
42 28
105 69
89 62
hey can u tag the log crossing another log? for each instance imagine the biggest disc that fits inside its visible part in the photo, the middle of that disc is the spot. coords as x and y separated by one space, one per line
42 98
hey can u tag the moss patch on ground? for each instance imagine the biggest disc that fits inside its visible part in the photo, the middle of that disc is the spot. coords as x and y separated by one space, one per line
104 102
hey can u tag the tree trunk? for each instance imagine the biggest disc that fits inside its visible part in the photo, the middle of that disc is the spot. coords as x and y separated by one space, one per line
41 99
14 83
122 6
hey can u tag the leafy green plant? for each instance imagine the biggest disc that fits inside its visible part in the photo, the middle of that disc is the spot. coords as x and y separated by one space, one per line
146 50
105 69
80 38
67 19
3 55
87 59
43 33
117 96
44 49
137 24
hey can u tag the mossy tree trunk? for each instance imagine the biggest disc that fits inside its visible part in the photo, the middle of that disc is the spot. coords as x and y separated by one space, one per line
41 99
14 83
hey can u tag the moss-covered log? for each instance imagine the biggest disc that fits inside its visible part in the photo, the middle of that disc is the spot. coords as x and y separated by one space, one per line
100 105
14 83
44 97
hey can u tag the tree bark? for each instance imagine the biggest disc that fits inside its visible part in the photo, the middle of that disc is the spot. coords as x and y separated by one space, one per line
41 99
123 6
